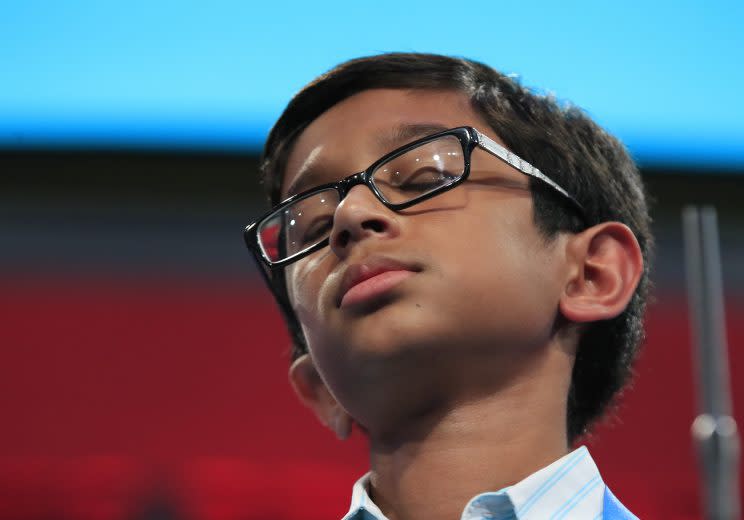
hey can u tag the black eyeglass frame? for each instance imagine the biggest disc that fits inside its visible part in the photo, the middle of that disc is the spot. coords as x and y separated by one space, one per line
469 138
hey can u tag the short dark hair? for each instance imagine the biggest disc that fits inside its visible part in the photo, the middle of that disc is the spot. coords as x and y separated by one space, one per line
557 138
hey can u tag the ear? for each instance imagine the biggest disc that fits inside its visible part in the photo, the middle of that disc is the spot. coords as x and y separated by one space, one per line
605 265
314 394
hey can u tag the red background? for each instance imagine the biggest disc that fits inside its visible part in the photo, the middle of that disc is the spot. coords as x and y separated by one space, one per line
168 398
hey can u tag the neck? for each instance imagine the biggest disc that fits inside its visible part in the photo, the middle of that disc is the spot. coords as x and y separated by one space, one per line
434 464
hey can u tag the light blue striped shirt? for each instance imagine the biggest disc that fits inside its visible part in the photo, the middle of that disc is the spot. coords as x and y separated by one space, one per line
571 487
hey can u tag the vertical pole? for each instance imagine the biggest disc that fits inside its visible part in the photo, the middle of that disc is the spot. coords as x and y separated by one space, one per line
714 430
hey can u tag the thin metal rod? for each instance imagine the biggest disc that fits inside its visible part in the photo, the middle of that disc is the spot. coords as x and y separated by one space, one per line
714 430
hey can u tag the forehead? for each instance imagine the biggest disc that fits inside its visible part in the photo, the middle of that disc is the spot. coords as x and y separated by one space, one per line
352 134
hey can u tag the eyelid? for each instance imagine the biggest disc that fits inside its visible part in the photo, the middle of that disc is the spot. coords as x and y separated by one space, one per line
400 137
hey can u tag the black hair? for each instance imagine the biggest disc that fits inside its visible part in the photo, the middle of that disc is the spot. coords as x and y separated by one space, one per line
557 138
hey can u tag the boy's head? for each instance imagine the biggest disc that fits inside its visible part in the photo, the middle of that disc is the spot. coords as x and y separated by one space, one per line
497 279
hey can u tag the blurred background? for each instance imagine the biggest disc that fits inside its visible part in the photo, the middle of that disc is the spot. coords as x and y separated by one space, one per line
143 364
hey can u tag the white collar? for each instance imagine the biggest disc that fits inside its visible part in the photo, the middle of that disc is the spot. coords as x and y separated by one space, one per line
571 486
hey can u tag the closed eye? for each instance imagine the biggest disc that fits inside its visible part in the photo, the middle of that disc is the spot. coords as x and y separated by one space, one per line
317 229
423 179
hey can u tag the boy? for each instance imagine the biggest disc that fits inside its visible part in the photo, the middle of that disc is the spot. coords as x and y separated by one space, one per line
472 299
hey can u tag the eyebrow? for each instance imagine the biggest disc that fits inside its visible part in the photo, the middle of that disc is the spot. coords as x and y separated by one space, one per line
404 134
398 136
306 178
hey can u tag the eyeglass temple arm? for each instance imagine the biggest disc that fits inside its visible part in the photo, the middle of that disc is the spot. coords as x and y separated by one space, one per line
520 164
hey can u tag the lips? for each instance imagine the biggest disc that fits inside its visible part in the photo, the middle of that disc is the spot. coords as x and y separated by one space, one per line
371 278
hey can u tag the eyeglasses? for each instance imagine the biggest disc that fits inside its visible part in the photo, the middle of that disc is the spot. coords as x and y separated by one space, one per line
418 171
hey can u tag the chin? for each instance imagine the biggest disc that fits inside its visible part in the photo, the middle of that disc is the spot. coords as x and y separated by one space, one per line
394 328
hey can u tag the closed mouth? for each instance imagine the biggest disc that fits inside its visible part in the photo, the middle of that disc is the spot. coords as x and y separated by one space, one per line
374 275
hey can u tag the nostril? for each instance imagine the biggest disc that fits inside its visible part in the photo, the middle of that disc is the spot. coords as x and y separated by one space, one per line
358 231
343 238
374 225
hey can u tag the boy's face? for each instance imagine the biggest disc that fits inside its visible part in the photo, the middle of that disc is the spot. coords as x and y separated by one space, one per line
477 289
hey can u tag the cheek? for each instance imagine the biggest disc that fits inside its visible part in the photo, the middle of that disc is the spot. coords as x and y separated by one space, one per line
305 286
304 278
300 288
496 279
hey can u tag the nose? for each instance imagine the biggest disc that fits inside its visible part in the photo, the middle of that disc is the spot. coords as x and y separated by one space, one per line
358 217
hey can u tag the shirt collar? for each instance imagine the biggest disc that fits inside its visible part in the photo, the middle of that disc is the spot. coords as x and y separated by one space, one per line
569 487
362 507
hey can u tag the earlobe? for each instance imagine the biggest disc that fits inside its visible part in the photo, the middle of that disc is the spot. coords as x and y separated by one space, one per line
313 392
605 265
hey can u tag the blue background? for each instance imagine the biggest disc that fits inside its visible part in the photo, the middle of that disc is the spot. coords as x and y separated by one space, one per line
666 77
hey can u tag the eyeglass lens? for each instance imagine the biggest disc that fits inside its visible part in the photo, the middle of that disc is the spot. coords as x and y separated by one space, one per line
416 173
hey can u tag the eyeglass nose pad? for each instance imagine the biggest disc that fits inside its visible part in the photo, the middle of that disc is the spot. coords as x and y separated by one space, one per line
351 181
360 216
